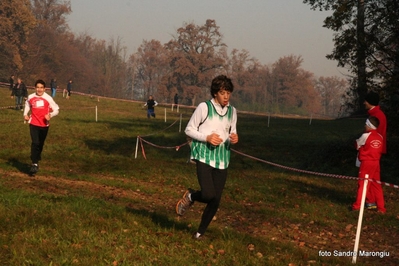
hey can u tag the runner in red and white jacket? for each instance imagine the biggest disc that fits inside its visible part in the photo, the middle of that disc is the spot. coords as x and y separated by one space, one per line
42 108
370 146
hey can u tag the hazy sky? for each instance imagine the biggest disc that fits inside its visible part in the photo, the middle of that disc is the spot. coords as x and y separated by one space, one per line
267 29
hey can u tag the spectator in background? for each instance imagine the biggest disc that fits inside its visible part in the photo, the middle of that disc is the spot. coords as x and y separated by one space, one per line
20 92
42 108
175 100
11 81
69 88
151 103
53 86
369 147
371 102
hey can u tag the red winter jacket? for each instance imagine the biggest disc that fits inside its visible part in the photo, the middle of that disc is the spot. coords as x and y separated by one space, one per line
371 150
382 128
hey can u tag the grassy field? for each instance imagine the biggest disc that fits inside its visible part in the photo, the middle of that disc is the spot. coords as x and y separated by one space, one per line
94 203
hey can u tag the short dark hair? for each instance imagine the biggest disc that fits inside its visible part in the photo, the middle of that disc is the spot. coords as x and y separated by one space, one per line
40 81
373 98
221 82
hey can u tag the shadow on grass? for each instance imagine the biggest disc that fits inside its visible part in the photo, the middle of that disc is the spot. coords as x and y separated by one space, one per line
158 219
123 125
333 195
147 126
22 167
85 121
121 146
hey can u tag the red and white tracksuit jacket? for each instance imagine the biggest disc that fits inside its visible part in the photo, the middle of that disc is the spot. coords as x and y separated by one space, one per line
382 127
39 107
370 146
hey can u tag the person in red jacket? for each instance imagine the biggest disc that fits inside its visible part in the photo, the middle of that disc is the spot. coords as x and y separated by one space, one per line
371 102
369 147
42 108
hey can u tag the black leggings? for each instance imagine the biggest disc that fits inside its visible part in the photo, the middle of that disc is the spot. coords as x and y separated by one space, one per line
38 136
211 181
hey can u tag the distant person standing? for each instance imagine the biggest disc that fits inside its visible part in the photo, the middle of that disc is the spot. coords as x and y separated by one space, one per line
53 86
371 102
69 88
42 108
11 81
151 103
176 100
369 147
19 92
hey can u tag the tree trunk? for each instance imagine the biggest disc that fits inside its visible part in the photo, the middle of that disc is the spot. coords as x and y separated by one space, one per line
361 56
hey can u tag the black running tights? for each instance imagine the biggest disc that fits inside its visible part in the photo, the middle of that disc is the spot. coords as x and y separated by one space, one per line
38 136
211 181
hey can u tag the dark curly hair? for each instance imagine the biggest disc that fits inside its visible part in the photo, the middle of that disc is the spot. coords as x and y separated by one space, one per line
221 82
40 81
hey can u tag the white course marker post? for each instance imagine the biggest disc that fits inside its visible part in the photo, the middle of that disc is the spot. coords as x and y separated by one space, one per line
359 222
165 115
96 113
268 120
310 122
137 146
177 108
172 107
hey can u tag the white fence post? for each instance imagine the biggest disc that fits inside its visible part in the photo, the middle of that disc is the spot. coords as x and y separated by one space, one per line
359 222
268 120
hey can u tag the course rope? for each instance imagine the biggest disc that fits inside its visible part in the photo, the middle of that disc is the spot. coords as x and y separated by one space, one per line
177 148
273 164
314 173
142 148
163 147
160 130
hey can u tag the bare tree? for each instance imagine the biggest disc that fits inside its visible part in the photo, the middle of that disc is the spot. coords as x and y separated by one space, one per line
195 57
49 38
332 91
16 23
293 86
150 63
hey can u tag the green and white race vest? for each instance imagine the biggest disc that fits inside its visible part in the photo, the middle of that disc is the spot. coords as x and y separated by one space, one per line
215 156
